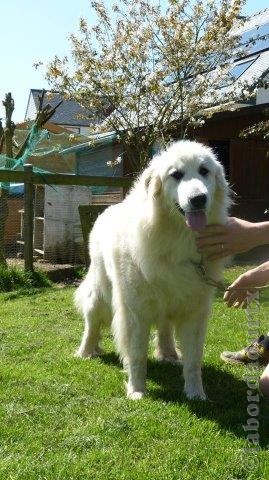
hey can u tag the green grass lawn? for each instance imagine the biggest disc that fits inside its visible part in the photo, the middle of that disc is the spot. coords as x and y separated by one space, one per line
66 418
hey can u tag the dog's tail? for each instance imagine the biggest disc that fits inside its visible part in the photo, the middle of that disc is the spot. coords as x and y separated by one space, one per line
81 294
78 297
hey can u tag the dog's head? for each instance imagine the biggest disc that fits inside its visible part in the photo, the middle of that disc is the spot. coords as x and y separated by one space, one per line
188 177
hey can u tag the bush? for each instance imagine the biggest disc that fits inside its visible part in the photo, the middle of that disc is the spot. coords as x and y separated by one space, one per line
13 278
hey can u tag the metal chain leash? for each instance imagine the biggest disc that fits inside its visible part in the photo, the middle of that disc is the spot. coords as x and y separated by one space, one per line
201 270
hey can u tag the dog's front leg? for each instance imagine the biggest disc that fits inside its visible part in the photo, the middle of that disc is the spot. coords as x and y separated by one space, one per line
132 336
192 337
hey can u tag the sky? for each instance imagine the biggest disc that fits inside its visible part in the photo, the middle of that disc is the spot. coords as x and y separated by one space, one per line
35 30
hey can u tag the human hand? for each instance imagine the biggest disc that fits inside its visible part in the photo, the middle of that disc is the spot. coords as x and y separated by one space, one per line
240 291
218 241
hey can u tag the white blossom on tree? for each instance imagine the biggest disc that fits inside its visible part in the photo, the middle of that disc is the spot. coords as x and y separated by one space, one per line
149 71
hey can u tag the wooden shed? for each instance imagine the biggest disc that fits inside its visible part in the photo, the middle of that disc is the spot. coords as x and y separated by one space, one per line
246 160
101 156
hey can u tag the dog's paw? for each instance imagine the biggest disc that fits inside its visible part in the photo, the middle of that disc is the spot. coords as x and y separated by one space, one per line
96 352
170 356
193 394
135 395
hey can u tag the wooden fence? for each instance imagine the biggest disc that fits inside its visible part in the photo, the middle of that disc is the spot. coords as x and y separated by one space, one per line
30 179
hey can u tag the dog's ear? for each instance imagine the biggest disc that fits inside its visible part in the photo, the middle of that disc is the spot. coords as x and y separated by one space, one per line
221 182
223 191
152 182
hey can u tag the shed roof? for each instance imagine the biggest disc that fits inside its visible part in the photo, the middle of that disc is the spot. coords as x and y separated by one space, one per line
95 141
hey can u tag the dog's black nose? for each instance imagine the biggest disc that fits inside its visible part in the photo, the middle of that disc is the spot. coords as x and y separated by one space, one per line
198 201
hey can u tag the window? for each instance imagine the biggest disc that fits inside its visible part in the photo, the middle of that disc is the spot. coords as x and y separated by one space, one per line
240 68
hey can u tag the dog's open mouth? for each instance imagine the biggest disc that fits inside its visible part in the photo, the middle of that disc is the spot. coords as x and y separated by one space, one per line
195 219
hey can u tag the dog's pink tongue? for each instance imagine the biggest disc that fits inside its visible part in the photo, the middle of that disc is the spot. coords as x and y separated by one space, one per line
196 220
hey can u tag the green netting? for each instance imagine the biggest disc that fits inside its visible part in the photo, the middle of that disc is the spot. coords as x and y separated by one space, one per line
35 137
40 143
43 143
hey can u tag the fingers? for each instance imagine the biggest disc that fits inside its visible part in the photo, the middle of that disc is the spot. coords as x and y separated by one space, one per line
213 252
215 229
212 242
234 298
237 298
207 241
230 297
217 254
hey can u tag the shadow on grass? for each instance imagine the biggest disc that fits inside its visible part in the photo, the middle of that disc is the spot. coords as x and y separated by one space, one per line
227 395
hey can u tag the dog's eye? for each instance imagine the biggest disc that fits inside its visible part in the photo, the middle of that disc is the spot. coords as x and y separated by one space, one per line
177 175
203 171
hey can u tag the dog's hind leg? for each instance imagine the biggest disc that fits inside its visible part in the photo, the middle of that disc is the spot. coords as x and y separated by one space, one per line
132 336
165 349
93 312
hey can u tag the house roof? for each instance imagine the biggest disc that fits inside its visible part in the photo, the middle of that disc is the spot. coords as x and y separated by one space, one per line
254 21
51 127
255 62
68 113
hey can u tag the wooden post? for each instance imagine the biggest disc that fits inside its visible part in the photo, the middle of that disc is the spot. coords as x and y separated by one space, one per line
28 219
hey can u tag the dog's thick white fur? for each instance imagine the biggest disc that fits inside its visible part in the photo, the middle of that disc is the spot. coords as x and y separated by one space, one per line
142 270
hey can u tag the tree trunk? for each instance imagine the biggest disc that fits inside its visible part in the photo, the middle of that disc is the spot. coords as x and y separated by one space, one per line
8 133
138 154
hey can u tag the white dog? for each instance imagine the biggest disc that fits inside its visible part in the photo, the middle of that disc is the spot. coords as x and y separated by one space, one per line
142 271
